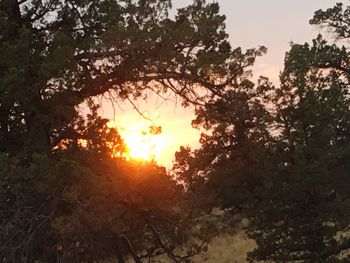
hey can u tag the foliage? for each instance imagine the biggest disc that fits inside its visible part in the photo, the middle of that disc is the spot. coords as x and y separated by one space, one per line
278 156
82 204
302 213
234 146
228 167
302 210
56 54
68 194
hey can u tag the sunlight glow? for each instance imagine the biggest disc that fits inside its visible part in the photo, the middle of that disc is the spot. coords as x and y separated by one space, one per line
143 142
144 146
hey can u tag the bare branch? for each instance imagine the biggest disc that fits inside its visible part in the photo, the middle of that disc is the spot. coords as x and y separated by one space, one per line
131 249
138 110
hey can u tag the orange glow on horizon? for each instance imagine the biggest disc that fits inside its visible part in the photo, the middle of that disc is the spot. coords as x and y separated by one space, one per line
142 144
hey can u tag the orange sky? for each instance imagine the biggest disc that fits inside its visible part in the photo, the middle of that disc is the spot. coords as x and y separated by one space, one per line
273 23
174 120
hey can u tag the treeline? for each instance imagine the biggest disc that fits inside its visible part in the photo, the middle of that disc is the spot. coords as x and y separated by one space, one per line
278 156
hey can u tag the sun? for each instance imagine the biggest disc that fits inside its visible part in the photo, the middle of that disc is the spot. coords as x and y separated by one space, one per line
144 144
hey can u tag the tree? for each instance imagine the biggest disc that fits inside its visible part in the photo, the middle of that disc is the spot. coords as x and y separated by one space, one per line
55 54
302 210
279 156
226 170
67 194
88 203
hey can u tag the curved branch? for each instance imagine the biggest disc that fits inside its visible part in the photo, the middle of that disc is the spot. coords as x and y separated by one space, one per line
159 240
131 249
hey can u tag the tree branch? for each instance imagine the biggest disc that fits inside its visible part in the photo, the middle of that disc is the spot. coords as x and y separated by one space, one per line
131 249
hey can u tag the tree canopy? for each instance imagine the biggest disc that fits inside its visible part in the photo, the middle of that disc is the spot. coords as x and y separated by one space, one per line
278 155
56 54
67 192
274 154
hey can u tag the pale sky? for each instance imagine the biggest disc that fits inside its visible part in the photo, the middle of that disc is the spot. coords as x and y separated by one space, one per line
250 23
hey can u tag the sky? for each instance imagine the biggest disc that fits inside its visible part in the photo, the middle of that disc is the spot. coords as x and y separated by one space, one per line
250 23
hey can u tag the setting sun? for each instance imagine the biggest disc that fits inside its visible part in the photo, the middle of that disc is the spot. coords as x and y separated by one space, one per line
144 145
143 142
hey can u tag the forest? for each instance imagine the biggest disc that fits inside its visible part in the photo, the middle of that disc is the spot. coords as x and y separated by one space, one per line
273 156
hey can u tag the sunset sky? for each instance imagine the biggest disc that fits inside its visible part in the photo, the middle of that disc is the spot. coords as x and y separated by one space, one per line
250 23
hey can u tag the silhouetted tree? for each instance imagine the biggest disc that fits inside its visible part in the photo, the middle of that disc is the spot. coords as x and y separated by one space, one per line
302 213
55 54
279 155
88 203
67 194
226 170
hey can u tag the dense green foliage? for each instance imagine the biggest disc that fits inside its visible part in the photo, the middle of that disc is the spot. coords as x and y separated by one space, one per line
275 155
303 204
55 54
303 209
67 194
279 156
82 204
